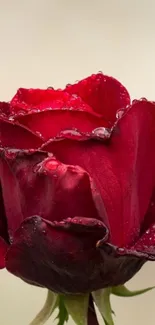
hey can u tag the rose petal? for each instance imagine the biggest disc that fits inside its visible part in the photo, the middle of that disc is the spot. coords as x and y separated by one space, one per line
4 108
14 168
146 244
50 123
50 112
4 237
150 215
32 100
34 183
65 260
121 171
15 136
3 220
55 254
3 250
104 94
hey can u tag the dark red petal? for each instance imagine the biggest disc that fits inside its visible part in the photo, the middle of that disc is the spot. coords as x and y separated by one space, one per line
11 197
3 219
16 136
24 191
44 253
146 244
120 169
150 214
34 183
66 260
3 250
104 94
4 108
4 237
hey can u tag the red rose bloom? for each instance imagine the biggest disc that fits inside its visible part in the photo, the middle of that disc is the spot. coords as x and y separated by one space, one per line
77 173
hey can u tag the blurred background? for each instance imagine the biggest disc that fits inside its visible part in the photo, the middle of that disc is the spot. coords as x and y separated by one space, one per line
53 42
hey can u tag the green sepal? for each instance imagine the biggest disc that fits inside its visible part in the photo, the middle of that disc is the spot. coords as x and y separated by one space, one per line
77 307
102 301
47 310
62 313
122 291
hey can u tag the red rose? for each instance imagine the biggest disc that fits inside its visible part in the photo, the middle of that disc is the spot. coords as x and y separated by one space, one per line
77 171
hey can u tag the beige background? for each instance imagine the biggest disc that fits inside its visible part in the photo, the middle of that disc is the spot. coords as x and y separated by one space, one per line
52 42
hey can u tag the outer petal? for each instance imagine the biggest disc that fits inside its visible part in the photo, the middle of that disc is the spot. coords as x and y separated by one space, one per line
146 244
4 108
104 94
123 175
150 215
65 259
143 249
33 183
14 168
3 219
3 250
4 238
15 136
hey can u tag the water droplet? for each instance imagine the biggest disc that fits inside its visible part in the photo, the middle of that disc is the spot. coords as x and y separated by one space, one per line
135 101
71 133
121 250
38 134
35 110
11 153
31 151
52 165
143 99
102 133
21 112
120 113
11 118
50 88
44 232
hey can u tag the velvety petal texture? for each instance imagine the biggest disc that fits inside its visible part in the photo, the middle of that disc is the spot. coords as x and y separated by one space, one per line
4 108
13 135
74 267
104 94
77 176
42 185
124 177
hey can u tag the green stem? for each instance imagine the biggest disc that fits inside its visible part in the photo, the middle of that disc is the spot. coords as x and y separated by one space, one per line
47 309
